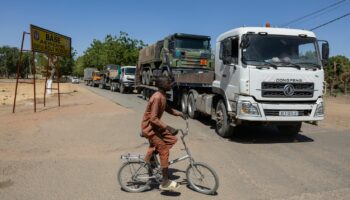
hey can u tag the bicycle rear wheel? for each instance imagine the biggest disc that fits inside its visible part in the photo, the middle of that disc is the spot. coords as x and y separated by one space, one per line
202 178
134 177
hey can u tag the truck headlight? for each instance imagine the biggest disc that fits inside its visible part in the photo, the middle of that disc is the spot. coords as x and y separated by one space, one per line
319 110
247 108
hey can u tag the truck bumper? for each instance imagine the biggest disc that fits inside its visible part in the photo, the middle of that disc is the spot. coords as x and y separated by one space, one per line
279 111
129 84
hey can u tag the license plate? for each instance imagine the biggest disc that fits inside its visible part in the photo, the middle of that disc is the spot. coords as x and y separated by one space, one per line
289 113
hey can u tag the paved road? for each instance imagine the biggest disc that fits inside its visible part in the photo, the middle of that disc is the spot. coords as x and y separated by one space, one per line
72 152
259 163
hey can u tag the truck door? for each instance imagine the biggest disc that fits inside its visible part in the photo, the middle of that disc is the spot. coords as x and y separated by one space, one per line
229 69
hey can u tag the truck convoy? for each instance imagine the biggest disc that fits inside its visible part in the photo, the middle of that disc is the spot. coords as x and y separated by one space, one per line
261 76
114 77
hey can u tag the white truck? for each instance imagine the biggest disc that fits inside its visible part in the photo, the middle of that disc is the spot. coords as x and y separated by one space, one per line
262 76
125 80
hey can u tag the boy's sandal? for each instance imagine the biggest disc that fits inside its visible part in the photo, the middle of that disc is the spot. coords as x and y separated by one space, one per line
172 186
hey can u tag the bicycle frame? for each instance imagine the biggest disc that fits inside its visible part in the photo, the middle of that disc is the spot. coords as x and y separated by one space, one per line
184 133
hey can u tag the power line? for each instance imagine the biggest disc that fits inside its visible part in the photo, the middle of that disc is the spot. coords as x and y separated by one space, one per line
313 13
333 20
320 14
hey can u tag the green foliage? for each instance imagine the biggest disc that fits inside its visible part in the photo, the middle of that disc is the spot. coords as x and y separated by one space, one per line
339 78
119 50
78 69
8 61
67 64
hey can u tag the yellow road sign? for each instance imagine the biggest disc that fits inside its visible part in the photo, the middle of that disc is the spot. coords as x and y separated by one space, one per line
45 41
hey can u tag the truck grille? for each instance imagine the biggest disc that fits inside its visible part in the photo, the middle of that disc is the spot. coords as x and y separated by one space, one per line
287 90
273 112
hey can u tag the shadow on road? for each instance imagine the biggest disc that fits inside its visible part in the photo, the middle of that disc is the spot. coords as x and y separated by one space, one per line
170 193
258 134
265 135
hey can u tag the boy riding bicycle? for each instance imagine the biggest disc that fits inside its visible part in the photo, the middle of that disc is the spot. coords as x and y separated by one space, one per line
160 135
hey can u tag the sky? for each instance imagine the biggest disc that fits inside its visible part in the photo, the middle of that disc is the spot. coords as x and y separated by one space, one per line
152 20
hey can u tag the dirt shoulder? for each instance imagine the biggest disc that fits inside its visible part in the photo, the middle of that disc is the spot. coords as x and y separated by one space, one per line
25 91
337 112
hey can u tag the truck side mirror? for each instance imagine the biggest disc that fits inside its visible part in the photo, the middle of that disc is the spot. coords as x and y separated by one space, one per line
325 51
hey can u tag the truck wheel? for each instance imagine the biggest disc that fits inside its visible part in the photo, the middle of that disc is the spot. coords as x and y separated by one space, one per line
192 106
112 87
100 86
184 103
144 94
143 77
148 77
223 127
166 73
122 88
290 129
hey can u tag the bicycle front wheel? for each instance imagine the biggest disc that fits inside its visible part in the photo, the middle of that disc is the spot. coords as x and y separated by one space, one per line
134 177
202 178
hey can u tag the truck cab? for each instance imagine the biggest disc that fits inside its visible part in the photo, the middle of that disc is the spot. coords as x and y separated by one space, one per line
187 51
269 76
127 77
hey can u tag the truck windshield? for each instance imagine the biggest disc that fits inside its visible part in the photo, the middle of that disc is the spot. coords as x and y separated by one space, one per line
191 43
130 71
281 51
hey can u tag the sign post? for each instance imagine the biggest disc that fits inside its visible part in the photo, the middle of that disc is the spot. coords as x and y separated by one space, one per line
53 45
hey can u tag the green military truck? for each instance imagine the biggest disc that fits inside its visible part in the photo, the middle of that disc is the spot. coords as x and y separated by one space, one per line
178 53
186 58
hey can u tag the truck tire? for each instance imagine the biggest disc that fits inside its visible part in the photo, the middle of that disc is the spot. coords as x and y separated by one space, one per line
192 111
144 94
122 88
148 77
223 127
184 103
112 87
101 86
138 90
165 73
290 129
143 77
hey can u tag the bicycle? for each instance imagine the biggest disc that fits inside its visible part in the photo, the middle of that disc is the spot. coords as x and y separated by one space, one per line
139 175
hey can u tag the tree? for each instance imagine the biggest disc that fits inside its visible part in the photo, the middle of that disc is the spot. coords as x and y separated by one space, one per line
78 69
67 64
120 50
8 62
336 72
